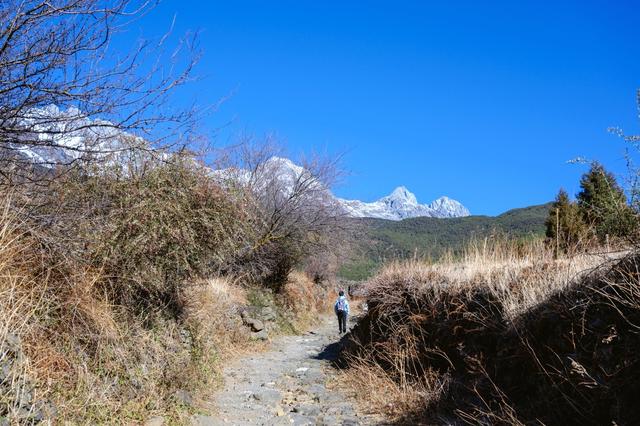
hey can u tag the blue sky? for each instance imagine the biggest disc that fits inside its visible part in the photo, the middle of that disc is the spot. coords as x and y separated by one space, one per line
481 101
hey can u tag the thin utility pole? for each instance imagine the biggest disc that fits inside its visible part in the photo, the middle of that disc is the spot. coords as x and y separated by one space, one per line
557 232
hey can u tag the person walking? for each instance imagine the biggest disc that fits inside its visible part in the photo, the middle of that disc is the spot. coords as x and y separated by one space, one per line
341 308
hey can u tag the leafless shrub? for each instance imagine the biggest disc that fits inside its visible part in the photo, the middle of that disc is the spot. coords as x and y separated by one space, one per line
148 226
292 213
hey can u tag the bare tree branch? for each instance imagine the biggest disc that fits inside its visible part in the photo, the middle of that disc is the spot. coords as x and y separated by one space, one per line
66 91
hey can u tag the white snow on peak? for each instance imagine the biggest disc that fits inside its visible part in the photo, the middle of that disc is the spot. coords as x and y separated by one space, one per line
402 204
401 196
49 135
398 205
446 207
68 135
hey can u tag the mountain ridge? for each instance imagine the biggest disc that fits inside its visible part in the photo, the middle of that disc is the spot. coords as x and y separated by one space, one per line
60 136
402 204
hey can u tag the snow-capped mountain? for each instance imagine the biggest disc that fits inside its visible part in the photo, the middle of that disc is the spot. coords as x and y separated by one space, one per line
274 174
51 136
54 136
402 204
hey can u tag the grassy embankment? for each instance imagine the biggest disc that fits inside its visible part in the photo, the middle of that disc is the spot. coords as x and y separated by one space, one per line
504 334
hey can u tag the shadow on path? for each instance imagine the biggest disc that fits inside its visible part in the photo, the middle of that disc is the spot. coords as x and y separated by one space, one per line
329 352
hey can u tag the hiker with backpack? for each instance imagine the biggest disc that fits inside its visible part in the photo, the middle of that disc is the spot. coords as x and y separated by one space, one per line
342 311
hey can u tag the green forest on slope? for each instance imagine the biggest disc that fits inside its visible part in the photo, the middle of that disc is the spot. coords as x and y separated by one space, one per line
376 241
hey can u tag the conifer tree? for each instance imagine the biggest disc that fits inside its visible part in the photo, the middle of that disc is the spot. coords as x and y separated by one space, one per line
603 204
566 229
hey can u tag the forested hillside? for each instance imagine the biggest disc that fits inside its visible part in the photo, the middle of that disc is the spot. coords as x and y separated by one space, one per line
379 240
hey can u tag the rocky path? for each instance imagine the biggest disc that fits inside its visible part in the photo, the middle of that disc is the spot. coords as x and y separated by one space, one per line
287 385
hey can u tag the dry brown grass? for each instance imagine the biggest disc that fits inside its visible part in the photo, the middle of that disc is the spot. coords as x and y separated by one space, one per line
20 300
506 334
519 274
378 393
63 343
303 301
211 312
107 306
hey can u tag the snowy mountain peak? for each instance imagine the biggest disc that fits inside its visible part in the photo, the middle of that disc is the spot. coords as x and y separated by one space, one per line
398 205
64 136
402 204
50 136
283 163
401 195
446 207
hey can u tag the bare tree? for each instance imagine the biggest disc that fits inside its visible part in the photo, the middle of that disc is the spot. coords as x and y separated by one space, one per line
65 91
631 156
293 213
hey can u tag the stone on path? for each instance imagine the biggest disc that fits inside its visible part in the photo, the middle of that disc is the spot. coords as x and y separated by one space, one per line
268 396
285 385
155 421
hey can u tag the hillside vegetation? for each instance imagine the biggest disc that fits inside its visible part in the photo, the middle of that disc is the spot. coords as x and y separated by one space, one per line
124 289
130 271
511 331
501 336
378 240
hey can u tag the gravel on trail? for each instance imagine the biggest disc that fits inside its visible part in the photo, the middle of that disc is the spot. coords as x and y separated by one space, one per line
286 385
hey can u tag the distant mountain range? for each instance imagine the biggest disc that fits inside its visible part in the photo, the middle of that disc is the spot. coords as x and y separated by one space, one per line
56 136
49 136
402 204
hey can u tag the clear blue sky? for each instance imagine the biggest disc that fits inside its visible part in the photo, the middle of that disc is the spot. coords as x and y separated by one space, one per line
481 101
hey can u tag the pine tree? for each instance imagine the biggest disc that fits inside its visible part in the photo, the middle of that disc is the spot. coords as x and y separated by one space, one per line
603 204
566 229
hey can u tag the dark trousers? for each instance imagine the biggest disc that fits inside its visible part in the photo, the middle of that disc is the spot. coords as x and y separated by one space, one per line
342 321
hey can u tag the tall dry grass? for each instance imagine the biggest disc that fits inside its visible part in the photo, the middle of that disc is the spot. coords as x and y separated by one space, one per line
20 302
505 334
519 274
75 347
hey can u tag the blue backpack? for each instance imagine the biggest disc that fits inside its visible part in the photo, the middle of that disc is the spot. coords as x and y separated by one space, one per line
341 305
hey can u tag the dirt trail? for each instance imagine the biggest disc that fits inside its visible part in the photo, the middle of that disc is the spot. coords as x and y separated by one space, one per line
286 385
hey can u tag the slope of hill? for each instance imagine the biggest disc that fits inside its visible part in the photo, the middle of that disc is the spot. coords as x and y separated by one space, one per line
380 240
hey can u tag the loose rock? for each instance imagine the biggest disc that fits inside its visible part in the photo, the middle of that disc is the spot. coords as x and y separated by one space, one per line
200 420
268 396
260 335
255 324
184 397
268 314
155 421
